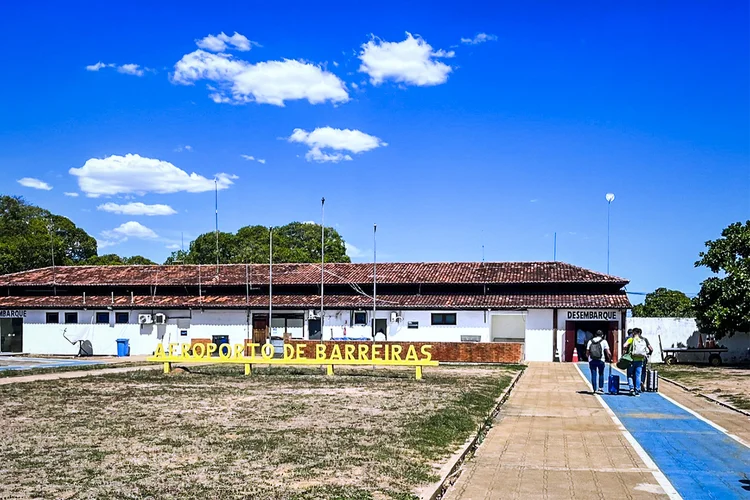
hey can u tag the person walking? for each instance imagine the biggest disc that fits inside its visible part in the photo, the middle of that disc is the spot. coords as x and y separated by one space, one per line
597 352
639 348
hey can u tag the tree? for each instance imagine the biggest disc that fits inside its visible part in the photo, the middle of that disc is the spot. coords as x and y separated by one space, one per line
294 242
665 303
111 259
30 236
722 306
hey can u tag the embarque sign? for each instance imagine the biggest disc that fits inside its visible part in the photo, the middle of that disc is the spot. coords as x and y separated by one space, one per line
250 353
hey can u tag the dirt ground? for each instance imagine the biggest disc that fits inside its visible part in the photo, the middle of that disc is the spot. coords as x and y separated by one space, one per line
728 384
214 433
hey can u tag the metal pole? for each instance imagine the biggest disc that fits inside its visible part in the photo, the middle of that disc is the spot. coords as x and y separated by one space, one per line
322 258
554 250
609 204
216 185
270 277
374 276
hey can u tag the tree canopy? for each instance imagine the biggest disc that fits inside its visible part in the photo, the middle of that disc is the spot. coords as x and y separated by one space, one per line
29 235
294 242
112 259
722 306
665 303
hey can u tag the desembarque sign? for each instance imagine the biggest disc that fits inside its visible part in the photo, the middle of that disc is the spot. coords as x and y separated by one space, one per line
250 353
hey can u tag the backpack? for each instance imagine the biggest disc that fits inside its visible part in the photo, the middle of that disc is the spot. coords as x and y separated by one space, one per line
639 347
595 350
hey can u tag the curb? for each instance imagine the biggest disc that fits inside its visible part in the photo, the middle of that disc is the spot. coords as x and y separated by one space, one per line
705 396
449 472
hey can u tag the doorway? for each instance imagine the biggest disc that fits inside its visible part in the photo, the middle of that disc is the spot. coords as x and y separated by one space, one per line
313 329
11 335
260 328
572 327
381 329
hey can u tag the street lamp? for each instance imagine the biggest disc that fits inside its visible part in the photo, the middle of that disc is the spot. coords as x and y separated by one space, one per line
610 198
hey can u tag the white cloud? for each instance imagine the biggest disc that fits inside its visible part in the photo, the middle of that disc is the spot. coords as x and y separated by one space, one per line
353 251
30 182
252 158
137 208
480 38
173 246
309 222
72 195
180 149
269 82
98 66
337 140
130 69
135 174
127 230
106 243
220 42
411 62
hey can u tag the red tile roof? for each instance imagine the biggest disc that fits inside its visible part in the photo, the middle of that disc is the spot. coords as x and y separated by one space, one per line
514 301
300 274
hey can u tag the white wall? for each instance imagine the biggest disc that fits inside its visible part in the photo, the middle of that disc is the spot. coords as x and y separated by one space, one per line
685 330
539 335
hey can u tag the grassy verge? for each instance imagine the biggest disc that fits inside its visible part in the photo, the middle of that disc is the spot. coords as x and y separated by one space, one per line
290 433
728 383
72 368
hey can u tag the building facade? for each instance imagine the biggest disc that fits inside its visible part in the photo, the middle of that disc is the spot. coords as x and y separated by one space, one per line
539 305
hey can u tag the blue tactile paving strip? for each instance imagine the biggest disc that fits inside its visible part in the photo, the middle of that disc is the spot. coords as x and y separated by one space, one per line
700 461
29 363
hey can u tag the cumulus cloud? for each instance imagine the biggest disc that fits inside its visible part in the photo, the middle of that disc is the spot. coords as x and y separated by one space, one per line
220 42
353 251
98 66
32 183
127 230
337 140
252 158
72 195
135 174
269 82
412 62
126 69
479 38
137 209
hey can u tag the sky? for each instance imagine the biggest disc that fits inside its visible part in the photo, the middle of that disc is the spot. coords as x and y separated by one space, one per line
465 131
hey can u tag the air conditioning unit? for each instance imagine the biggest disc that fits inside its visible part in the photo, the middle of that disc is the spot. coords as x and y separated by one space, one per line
313 314
395 317
145 319
160 319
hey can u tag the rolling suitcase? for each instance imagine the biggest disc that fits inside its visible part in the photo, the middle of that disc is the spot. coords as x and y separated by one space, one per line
652 381
613 382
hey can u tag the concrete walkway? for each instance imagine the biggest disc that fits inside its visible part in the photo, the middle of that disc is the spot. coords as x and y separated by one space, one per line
554 440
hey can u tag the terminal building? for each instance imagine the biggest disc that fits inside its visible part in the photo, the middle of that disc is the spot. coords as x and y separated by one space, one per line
538 305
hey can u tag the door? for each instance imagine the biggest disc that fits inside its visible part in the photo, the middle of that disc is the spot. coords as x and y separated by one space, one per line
570 340
313 329
11 335
260 328
381 329
612 340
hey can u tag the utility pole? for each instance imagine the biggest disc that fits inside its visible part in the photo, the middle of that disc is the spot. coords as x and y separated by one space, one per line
610 198
216 185
322 258
374 276
270 278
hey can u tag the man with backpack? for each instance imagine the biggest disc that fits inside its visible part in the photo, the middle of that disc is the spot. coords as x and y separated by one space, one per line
597 351
639 349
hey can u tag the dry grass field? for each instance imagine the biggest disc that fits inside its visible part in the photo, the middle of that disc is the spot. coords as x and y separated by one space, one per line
281 434
730 384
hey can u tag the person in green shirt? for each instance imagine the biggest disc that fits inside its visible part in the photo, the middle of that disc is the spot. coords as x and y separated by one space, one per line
639 348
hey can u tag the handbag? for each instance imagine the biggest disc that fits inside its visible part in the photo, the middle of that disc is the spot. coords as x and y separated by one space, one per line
625 361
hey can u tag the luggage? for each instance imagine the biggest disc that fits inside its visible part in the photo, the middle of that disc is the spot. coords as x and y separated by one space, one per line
652 381
613 382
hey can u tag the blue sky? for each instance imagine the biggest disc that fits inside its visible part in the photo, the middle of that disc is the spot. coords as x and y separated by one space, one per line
502 139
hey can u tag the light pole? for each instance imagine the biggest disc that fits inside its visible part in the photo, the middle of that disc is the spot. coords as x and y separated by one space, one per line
610 198
322 258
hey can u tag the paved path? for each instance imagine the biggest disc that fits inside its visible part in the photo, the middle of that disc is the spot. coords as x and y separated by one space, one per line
699 458
554 440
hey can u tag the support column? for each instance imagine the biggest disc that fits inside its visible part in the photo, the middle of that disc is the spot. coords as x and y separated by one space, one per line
555 356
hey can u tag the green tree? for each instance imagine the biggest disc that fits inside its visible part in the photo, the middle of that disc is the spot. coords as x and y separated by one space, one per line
30 236
112 259
722 306
294 242
665 303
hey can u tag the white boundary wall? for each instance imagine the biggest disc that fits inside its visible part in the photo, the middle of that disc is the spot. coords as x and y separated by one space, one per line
685 330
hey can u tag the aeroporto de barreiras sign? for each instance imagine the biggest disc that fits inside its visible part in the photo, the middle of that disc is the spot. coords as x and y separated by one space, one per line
249 353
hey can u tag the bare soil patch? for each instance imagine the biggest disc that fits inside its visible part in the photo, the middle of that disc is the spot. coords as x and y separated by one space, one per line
729 384
213 433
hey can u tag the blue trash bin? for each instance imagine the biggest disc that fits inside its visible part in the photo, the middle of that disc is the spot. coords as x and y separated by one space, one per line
123 348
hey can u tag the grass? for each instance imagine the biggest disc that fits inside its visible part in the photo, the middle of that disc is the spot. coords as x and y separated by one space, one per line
71 368
290 433
728 383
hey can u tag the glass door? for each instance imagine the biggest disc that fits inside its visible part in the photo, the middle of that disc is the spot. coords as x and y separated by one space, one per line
11 335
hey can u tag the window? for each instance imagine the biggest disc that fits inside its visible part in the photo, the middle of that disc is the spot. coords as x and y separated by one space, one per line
71 318
444 318
412 324
102 317
121 317
53 317
360 318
